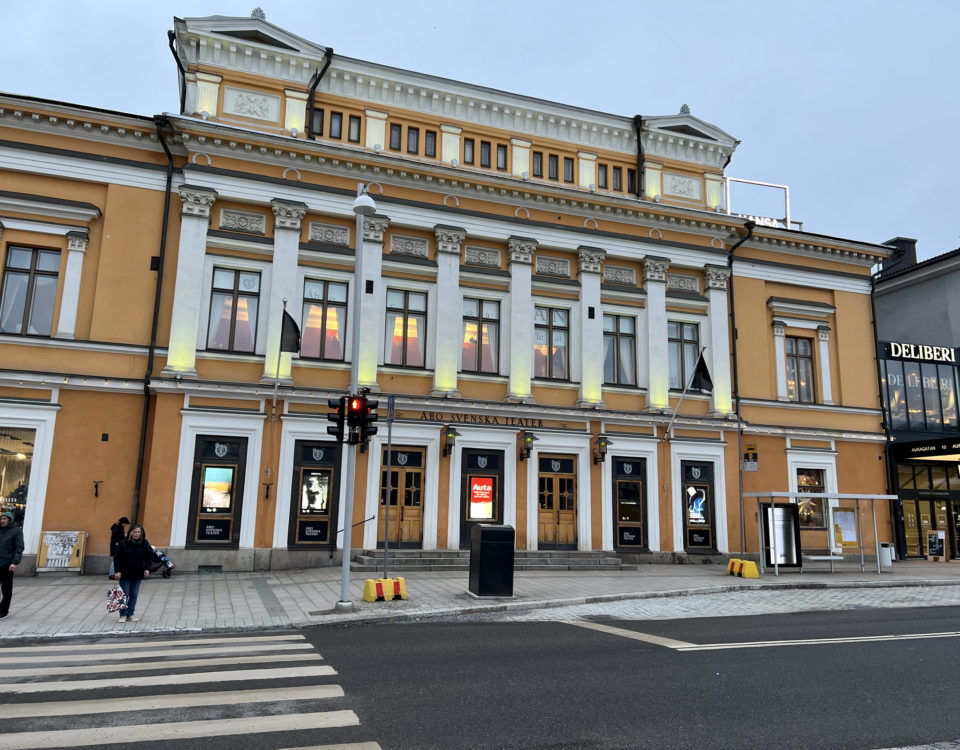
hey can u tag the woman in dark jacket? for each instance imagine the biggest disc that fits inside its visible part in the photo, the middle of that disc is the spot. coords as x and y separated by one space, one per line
117 532
132 563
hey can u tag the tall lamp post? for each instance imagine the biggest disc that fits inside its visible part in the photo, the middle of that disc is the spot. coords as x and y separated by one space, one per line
363 205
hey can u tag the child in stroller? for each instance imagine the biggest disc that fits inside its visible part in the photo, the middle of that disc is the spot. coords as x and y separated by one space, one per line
161 561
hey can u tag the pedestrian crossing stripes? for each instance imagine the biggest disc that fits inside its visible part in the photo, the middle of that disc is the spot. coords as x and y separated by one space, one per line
288 696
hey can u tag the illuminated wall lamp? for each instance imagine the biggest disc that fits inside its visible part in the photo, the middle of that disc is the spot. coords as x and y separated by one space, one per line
601 445
450 436
526 444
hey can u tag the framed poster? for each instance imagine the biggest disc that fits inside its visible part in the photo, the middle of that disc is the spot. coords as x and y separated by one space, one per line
217 489
482 494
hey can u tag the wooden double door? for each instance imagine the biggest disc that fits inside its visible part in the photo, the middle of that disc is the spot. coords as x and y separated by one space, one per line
557 502
402 478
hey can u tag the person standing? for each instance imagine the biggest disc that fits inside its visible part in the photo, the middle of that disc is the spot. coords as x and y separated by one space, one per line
117 532
132 564
11 552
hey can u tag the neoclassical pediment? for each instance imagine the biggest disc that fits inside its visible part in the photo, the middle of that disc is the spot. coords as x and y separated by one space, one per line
685 124
253 31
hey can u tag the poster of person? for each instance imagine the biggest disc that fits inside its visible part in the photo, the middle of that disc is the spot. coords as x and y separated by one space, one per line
696 505
315 492
217 489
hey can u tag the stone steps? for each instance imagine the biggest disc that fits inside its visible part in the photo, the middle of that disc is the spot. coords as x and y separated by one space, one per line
410 560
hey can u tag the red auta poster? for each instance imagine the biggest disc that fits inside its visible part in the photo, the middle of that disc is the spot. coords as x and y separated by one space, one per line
481 497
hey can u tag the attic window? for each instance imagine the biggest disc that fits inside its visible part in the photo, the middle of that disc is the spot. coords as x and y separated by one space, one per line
687 130
257 36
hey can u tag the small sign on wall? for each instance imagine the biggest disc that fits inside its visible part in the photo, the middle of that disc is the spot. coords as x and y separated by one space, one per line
751 457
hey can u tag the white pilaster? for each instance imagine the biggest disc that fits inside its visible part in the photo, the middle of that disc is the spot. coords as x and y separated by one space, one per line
283 282
185 316
76 249
718 349
823 341
780 356
658 353
449 325
521 317
591 326
373 305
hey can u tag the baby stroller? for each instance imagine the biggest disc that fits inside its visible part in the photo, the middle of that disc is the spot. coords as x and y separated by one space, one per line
161 562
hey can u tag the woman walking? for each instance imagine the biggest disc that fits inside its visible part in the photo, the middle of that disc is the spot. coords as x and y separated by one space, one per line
132 565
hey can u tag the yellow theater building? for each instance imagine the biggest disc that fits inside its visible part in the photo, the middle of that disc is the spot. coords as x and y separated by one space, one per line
539 281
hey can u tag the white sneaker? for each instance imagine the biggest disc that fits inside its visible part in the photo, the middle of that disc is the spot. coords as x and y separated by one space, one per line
122 619
133 619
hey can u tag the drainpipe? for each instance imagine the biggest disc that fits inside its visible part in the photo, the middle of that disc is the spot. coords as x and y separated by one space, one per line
749 226
641 177
314 82
161 121
172 38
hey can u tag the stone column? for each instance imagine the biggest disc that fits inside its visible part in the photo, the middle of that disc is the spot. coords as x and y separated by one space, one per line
658 352
718 348
185 315
823 340
591 327
288 216
449 310
372 317
521 317
780 357
76 249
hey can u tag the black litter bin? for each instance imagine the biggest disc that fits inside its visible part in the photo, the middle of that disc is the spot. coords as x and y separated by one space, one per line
491 560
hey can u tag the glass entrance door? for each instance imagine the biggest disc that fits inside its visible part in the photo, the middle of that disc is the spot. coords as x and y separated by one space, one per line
557 503
406 498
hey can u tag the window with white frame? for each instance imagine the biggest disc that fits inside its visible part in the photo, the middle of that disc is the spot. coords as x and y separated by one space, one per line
481 335
619 350
29 291
551 343
323 322
812 509
406 331
234 303
800 372
684 350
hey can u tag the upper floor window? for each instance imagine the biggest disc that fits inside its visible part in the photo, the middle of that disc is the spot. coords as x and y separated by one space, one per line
430 143
553 167
336 125
468 148
567 169
551 343
233 310
323 323
537 164
631 181
602 176
619 350
413 140
484 153
406 328
29 291
501 156
353 133
799 369
396 136
317 122
618 179
481 335
920 396
684 344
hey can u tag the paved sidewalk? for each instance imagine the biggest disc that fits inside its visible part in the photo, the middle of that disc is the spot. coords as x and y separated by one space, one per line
66 605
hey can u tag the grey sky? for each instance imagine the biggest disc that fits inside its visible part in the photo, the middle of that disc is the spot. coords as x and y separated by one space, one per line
851 103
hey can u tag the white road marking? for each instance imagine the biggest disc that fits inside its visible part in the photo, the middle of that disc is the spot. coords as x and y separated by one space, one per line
27 671
152 653
173 679
178 730
170 701
624 633
117 645
348 746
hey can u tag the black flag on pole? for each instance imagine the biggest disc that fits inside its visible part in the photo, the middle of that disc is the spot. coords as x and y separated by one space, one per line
701 380
289 334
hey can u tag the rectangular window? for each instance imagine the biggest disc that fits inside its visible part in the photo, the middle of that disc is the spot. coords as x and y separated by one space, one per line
468 151
336 125
553 167
618 179
323 320
406 328
632 181
484 153
413 140
551 343
811 509
567 169
948 397
602 176
396 137
799 370
683 340
896 394
353 134
29 291
501 156
619 350
538 164
318 122
481 335
233 310
430 143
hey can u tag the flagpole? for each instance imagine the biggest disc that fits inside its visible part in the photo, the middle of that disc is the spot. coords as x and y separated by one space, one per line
693 374
276 377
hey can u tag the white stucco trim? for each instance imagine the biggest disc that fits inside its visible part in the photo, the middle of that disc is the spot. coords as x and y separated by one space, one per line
704 453
265 270
798 458
626 447
579 445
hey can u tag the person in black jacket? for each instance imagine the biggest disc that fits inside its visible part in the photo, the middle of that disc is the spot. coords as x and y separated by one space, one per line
117 532
11 551
132 564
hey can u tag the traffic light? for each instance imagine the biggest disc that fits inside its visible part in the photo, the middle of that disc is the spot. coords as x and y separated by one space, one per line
339 406
368 428
356 405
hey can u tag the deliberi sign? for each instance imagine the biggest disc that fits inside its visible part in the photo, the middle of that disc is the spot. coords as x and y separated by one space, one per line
919 352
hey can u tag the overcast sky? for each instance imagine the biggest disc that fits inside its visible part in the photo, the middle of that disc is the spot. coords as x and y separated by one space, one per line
852 104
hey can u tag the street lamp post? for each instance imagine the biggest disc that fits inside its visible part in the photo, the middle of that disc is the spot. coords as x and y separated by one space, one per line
363 205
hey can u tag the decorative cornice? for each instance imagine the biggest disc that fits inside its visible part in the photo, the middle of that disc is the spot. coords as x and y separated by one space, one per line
521 249
655 269
591 259
197 201
289 214
374 227
717 277
449 239
77 242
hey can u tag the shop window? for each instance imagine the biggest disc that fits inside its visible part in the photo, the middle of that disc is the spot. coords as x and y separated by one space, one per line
323 323
29 291
481 335
406 328
812 514
233 310
892 373
684 347
537 166
619 350
336 125
468 151
800 371
430 143
551 343
353 133
16 457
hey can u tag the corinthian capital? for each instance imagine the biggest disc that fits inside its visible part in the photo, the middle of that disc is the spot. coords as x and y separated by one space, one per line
288 214
521 249
591 259
655 269
717 277
374 227
197 201
449 239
